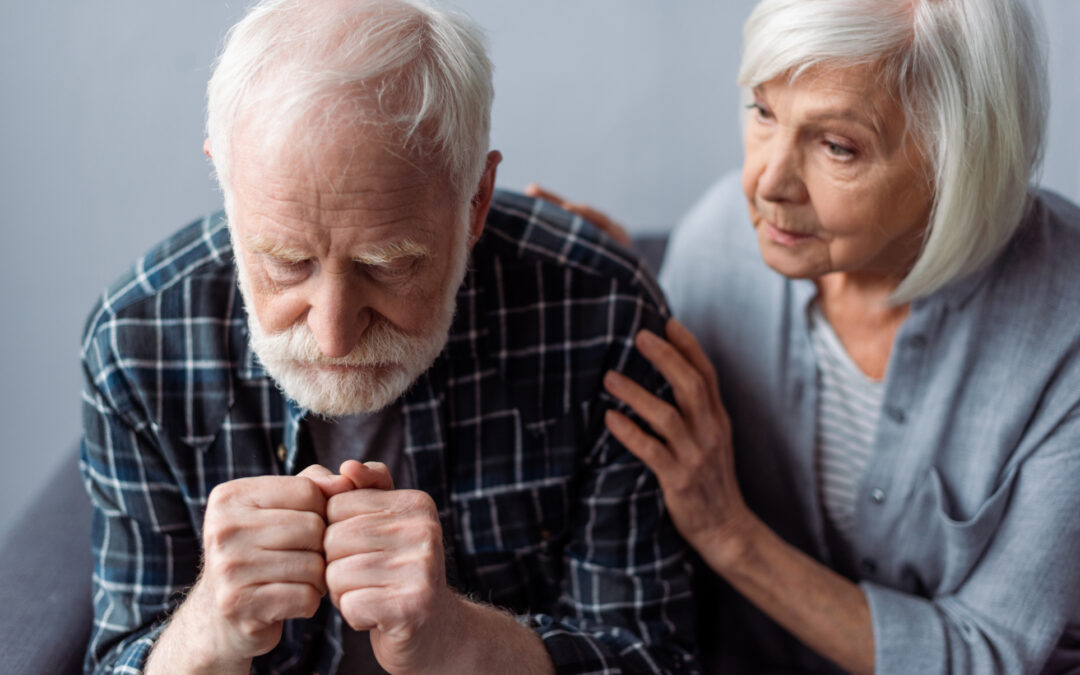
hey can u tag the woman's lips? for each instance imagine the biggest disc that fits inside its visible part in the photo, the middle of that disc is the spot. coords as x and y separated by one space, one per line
786 238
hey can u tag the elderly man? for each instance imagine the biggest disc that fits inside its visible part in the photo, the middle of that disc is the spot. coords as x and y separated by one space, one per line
368 295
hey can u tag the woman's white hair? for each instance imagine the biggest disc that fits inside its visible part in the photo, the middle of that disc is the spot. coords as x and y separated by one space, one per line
416 72
971 77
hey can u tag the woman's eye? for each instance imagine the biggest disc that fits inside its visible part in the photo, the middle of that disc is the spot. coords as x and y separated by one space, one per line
759 111
839 151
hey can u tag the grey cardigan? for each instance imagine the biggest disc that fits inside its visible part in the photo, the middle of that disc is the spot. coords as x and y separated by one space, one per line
967 535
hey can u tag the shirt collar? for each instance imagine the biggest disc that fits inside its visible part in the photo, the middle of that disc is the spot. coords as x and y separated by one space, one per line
954 295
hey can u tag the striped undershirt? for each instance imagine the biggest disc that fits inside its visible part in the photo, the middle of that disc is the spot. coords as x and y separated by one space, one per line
849 403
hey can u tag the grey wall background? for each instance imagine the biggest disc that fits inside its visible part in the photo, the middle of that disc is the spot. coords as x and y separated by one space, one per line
629 104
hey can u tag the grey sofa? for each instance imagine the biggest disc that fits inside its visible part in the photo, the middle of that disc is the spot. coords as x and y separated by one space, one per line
45 565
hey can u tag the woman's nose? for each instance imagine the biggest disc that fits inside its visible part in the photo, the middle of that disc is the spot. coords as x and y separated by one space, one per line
781 172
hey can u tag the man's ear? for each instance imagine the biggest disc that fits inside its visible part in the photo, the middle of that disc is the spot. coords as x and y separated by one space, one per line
206 148
481 201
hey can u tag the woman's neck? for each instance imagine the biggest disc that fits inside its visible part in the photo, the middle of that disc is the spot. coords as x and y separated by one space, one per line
858 309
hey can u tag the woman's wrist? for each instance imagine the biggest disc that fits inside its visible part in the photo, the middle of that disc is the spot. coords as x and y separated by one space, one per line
731 546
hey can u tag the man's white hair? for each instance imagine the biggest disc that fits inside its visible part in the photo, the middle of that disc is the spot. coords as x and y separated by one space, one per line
971 78
291 70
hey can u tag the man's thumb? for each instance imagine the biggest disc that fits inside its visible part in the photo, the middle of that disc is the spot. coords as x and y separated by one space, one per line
368 475
329 483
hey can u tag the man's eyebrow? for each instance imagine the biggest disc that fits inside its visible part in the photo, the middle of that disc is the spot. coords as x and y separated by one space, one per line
396 250
275 249
378 255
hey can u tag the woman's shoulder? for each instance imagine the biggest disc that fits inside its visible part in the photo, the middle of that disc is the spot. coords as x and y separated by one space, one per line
1057 221
1042 259
719 217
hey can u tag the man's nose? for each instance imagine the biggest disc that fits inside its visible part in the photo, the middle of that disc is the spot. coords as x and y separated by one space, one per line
338 316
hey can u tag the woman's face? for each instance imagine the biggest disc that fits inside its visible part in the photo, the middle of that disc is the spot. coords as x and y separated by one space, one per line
833 182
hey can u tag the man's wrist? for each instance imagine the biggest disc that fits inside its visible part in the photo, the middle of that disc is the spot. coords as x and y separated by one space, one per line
485 639
190 644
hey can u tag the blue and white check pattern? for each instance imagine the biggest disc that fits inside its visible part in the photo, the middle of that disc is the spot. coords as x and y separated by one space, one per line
543 513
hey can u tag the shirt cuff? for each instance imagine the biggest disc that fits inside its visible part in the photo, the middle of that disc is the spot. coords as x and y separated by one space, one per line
131 658
909 636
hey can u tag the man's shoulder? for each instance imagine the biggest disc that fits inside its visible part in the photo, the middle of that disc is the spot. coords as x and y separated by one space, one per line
523 234
199 250
552 304
174 310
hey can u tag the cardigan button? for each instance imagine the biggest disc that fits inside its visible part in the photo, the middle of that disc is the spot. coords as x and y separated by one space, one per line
281 452
877 495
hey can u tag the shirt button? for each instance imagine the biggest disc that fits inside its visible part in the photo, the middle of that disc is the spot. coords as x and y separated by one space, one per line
896 414
877 495
918 342
545 535
869 565
281 453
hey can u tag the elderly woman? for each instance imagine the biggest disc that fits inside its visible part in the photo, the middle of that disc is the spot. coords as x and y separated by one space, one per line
876 445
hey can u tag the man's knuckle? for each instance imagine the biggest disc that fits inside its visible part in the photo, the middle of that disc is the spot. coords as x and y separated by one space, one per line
250 628
226 529
309 603
314 566
339 507
229 601
220 495
228 567
332 541
415 500
307 490
313 525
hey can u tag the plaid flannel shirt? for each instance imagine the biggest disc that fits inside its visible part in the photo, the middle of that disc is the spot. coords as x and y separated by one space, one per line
543 512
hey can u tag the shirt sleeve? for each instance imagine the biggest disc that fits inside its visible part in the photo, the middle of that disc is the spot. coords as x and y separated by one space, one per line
626 604
145 552
1012 609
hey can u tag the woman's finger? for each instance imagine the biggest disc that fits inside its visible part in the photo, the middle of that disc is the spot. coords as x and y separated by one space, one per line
691 389
663 417
688 345
650 451
534 190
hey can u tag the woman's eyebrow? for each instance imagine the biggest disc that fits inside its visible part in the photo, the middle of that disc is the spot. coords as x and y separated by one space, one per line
845 115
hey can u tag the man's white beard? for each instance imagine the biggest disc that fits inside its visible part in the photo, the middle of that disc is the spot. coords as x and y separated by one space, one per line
388 360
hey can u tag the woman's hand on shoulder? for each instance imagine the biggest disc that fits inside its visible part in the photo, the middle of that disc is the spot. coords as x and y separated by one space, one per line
597 218
694 461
